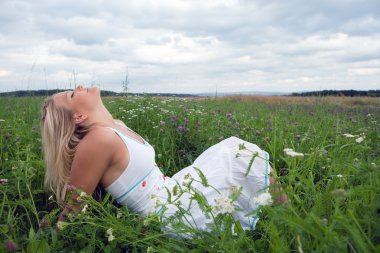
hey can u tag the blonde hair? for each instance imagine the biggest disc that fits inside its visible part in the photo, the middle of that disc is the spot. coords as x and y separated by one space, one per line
60 137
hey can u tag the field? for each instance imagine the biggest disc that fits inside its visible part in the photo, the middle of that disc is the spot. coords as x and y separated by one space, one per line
333 189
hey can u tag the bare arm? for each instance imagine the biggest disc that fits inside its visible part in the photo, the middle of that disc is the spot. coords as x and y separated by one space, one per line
92 158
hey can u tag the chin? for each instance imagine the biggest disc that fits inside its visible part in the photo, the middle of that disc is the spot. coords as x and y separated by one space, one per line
94 89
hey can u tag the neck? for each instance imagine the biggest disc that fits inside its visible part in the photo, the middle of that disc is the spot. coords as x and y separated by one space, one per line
100 117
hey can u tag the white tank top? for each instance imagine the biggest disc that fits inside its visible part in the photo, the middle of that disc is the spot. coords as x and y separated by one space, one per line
142 180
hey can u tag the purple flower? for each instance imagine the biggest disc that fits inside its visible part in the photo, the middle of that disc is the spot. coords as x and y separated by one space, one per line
213 113
44 223
228 115
11 246
70 187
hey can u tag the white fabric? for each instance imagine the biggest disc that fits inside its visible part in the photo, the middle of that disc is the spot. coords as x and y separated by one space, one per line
224 171
144 189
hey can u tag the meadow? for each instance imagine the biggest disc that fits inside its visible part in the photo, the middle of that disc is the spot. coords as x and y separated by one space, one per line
333 189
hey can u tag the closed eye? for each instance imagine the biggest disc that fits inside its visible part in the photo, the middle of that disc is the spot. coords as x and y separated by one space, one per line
72 94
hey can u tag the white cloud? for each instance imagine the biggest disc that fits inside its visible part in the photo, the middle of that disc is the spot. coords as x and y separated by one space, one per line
190 46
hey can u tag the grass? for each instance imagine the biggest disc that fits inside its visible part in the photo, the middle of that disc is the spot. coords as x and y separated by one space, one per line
333 191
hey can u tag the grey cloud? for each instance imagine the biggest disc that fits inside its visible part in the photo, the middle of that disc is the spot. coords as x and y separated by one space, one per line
249 43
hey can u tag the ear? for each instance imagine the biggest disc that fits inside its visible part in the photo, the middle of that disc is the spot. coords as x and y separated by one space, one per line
79 118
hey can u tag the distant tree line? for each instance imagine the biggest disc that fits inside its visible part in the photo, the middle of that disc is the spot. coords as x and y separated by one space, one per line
345 93
104 93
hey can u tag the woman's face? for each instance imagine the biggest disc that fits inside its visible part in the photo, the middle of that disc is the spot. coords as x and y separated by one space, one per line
80 100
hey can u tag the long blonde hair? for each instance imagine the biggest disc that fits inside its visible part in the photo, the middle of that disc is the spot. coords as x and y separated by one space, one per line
60 137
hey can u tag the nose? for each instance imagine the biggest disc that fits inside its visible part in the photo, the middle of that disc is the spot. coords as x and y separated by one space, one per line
79 88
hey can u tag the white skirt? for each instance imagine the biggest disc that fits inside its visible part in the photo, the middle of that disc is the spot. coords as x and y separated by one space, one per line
226 166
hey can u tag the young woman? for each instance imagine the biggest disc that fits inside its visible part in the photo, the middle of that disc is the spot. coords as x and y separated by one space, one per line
85 147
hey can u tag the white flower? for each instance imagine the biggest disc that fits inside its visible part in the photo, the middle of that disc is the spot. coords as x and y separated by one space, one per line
349 135
118 215
109 231
61 225
83 194
84 208
360 139
2 120
223 205
111 238
110 235
3 180
263 199
339 175
291 152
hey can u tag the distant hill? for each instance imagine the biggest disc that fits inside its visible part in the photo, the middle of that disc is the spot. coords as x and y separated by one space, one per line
345 93
259 93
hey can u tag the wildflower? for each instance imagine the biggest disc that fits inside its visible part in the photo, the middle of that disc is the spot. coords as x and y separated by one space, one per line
339 175
70 187
61 225
263 199
150 250
11 246
360 139
228 115
3 180
2 120
111 238
119 214
348 135
84 208
324 221
373 164
187 179
223 205
110 235
44 223
291 152
83 194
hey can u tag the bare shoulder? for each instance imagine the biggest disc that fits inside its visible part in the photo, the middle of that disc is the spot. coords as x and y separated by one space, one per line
98 138
119 121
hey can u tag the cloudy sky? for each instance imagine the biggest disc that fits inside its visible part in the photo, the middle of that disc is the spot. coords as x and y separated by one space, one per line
190 45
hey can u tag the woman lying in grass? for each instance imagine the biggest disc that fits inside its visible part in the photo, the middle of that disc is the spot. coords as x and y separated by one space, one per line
85 147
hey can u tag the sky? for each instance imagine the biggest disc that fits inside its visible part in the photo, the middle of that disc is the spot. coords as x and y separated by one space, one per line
190 46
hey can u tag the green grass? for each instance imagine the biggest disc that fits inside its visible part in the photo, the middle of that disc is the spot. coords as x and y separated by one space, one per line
333 191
